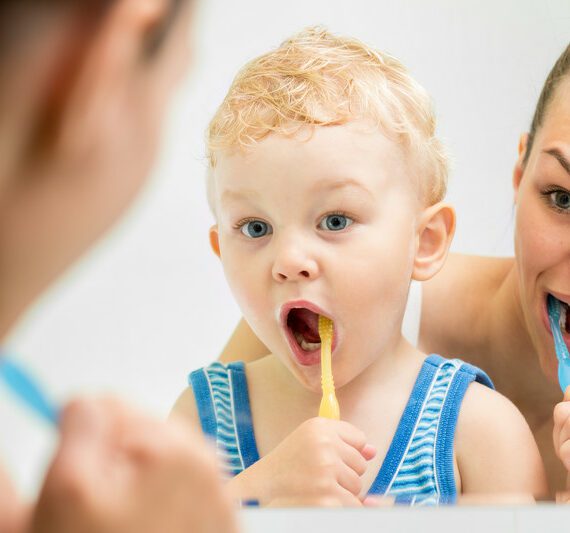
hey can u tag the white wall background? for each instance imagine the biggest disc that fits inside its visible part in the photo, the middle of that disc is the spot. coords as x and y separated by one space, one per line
150 303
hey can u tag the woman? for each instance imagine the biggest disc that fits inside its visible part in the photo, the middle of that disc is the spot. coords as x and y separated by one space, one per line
491 311
84 86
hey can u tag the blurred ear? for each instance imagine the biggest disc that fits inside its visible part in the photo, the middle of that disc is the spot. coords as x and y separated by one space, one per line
434 235
100 78
214 240
519 165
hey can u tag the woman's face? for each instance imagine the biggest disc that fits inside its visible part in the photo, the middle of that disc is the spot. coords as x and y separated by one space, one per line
542 234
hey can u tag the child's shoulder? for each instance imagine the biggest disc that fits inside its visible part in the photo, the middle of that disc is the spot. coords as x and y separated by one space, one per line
494 445
486 412
483 412
211 378
199 380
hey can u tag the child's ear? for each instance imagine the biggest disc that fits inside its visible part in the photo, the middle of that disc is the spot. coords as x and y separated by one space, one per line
519 165
214 240
435 232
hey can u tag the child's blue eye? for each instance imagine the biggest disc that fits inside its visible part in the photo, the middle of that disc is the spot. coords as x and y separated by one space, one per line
335 222
255 229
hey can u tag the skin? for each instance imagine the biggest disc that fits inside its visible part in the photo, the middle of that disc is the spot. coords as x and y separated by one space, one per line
80 115
294 185
502 298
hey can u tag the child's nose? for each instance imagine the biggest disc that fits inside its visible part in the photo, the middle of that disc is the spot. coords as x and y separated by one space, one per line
293 264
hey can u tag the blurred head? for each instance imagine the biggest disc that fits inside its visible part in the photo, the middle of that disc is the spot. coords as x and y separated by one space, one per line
83 93
542 195
326 200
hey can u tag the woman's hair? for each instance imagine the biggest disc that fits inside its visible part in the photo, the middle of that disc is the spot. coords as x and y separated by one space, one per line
18 18
317 79
21 20
559 72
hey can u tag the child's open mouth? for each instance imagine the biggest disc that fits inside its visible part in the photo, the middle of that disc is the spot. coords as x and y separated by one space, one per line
304 324
302 330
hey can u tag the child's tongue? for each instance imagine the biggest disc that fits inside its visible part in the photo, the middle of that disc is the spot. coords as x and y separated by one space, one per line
306 323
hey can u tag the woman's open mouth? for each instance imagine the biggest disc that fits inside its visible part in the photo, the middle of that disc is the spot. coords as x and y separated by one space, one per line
301 324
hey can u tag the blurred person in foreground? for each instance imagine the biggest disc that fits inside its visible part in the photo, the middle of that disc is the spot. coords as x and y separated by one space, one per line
84 88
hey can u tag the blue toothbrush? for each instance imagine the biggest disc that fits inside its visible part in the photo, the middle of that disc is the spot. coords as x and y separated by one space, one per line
23 386
554 314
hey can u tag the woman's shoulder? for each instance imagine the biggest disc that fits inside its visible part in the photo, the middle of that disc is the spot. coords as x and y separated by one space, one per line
470 271
455 300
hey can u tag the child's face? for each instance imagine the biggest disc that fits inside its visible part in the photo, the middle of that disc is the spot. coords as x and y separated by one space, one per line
325 225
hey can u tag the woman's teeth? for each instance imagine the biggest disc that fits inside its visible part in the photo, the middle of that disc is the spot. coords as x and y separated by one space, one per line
563 311
307 346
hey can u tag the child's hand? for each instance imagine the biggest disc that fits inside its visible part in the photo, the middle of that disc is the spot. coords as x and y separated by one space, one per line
318 464
120 471
561 433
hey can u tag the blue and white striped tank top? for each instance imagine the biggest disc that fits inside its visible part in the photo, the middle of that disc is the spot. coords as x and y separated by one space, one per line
418 468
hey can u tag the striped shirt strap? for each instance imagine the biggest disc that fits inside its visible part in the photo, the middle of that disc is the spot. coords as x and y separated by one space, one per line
418 468
465 375
222 400
415 478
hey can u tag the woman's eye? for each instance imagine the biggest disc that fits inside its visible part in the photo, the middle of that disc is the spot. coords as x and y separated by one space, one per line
560 200
335 222
254 229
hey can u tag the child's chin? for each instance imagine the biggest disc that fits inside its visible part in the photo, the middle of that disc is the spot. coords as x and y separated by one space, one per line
310 378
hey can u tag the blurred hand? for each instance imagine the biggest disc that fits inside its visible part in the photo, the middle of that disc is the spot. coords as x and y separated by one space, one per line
561 433
318 464
119 471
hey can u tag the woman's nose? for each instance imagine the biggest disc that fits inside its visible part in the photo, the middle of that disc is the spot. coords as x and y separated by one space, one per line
294 263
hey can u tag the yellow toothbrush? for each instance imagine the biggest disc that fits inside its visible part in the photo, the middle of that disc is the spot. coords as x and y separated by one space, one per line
329 404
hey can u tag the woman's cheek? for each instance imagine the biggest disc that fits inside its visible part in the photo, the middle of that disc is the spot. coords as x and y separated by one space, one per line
530 235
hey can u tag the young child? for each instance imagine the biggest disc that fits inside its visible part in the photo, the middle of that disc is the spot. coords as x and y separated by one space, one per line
326 182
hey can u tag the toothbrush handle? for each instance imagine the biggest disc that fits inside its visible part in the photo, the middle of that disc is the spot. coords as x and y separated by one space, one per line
329 406
28 391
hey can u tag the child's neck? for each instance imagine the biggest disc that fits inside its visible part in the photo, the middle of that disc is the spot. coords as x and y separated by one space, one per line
384 376
397 363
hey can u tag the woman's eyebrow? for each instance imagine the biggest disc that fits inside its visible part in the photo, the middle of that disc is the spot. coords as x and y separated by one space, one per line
555 152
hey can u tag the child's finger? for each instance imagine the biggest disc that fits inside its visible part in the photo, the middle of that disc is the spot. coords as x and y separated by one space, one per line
352 436
368 452
378 501
350 480
353 459
348 499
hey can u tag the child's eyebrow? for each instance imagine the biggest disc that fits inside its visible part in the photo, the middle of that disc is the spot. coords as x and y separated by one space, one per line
243 194
320 186
329 184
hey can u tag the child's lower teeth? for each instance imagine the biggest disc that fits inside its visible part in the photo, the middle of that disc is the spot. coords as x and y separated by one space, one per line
307 346
310 346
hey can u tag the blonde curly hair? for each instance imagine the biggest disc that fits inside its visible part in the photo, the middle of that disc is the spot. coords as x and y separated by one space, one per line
316 78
